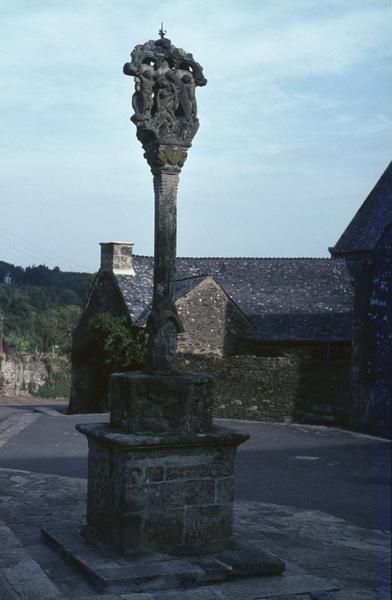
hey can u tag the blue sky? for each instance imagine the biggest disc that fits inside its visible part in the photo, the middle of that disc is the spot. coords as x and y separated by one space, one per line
295 125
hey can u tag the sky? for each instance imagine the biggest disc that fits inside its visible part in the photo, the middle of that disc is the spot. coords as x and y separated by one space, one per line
295 125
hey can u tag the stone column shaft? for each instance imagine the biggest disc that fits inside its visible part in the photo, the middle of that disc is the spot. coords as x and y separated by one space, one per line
165 243
163 323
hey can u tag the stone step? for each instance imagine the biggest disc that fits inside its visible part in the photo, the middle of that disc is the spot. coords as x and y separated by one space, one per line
158 576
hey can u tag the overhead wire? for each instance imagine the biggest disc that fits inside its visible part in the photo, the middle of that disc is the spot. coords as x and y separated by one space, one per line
19 253
43 252
32 250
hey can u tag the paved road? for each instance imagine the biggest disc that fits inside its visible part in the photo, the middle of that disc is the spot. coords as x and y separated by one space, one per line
338 472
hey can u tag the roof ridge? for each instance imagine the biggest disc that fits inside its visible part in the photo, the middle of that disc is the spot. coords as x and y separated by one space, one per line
243 258
193 277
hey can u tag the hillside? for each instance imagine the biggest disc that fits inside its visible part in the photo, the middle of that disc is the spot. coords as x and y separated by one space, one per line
40 307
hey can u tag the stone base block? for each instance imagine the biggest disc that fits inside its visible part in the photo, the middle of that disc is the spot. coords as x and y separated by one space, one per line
156 571
161 402
166 492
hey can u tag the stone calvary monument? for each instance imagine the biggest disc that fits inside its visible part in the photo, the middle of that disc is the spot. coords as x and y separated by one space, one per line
161 475
166 122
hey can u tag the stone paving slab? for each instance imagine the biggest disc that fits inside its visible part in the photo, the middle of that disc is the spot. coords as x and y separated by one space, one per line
353 559
21 576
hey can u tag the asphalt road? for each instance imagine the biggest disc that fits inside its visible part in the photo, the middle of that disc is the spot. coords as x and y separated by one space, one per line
315 468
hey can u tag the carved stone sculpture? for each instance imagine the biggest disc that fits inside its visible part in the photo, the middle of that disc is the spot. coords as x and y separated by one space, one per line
164 100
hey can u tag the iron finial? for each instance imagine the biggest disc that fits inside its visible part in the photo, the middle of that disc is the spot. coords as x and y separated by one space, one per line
162 32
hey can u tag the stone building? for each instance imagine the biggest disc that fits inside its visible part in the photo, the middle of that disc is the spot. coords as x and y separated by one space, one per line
366 246
276 333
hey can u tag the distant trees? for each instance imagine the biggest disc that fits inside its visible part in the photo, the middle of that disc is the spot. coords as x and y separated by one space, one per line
41 307
43 276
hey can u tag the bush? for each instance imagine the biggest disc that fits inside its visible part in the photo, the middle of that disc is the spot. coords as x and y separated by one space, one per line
121 350
58 383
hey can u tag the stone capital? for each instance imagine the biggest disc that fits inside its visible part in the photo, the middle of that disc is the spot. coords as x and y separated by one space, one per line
165 158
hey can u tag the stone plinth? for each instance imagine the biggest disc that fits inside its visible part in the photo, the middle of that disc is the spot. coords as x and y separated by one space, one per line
161 402
171 493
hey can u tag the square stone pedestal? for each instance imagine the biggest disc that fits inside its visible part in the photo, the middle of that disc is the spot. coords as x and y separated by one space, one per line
161 402
168 492
160 492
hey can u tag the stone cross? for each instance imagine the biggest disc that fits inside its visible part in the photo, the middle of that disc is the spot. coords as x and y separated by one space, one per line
162 32
166 121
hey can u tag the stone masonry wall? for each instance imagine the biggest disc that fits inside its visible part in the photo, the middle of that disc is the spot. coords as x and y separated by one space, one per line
21 374
249 387
372 340
212 322
378 341
90 376
44 375
164 496
301 386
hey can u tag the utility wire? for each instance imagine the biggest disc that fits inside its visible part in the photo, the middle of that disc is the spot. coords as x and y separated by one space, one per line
42 251
26 255
29 246
14 255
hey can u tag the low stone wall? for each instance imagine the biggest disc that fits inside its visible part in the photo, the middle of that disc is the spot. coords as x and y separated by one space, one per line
249 387
301 386
323 390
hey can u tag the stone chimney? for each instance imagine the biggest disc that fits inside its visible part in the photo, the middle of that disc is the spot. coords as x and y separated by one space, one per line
117 257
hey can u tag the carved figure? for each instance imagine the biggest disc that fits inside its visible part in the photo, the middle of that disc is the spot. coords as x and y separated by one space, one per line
189 85
166 95
146 90
142 99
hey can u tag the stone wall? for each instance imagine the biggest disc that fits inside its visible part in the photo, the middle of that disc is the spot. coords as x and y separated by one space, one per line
212 322
372 340
39 375
300 386
90 375
322 395
21 374
379 340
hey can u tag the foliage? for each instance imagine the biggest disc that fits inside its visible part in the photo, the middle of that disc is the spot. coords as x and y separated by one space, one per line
41 307
111 336
37 319
58 382
18 344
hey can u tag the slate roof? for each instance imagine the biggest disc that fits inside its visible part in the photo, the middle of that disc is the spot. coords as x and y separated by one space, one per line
181 288
285 299
368 225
